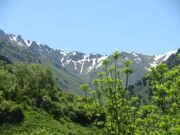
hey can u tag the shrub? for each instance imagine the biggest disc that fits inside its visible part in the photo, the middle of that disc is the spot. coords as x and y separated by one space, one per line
51 107
57 112
46 102
15 115
80 117
10 113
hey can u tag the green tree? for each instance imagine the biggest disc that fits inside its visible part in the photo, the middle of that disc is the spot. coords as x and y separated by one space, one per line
115 104
162 115
85 88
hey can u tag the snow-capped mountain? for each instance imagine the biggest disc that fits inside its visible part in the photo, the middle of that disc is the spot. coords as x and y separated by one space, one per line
81 64
163 57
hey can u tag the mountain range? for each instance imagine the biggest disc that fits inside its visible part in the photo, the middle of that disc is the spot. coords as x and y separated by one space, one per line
72 68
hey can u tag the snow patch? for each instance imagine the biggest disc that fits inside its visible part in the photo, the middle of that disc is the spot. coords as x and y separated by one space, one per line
28 43
19 43
135 55
62 62
14 38
164 56
74 53
161 58
168 54
147 68
158 57
82 68
154 64
75 66
85 58
67 62
138 60
100 61
63 53
93 65
102 58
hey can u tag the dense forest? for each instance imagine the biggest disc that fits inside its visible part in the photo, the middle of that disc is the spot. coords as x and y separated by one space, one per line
32 103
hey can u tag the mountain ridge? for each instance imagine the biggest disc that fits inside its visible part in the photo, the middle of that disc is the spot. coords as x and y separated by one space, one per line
74 63
76 58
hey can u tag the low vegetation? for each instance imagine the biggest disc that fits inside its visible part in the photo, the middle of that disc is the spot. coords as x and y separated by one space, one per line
31 102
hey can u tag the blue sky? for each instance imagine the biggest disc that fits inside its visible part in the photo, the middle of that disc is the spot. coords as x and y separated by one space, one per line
96 26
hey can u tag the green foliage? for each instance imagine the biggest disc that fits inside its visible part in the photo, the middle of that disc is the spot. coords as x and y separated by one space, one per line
38 122
30 99
112 98
124 114
10 113
85 88
165 98
25 87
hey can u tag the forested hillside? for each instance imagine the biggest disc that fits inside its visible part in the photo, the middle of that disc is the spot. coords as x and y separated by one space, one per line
31 102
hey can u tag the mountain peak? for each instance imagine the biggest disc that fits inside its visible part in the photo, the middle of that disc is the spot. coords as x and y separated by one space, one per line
17 39
162 58
165 56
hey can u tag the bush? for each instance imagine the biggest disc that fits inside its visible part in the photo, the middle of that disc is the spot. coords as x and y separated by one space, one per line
10 113
51 107
46 103
15 115
80 117
57 112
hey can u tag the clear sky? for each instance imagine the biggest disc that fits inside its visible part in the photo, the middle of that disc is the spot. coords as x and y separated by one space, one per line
96 26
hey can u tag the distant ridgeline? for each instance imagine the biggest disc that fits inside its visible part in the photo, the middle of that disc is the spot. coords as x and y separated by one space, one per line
72 68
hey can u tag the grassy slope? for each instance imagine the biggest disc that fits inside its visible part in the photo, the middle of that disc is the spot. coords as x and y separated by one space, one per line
38 122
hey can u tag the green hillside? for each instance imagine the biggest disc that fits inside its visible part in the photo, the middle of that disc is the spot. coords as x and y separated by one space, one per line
38 122
32 103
